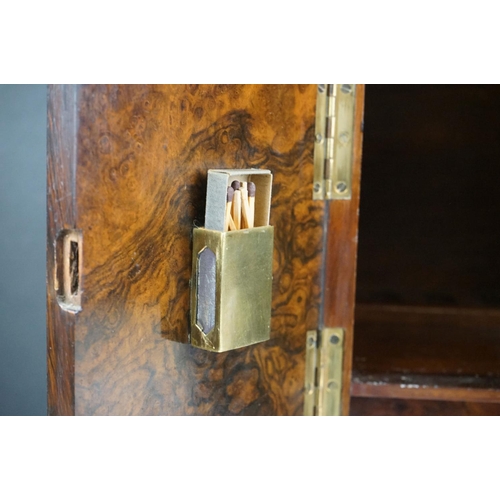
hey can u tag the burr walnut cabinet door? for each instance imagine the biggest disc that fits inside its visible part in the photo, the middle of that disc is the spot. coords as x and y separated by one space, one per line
127 167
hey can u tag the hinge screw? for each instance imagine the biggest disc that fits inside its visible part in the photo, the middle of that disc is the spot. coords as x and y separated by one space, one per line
321 87
334 339
317 187
319 138
341 187
344 137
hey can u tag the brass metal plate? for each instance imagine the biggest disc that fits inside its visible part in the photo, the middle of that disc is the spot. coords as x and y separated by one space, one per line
330 372
68 270
333 149
319 143
243 288
323 381
310 385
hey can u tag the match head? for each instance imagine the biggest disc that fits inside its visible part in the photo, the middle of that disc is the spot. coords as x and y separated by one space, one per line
230 194
235 185
251 189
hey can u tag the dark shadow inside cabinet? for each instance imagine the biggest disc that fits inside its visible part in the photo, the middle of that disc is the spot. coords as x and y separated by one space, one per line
427 326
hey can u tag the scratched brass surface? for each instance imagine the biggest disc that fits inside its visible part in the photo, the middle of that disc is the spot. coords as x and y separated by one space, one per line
244 262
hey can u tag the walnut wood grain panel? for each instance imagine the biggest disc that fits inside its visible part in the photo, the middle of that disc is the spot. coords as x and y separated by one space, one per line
61 168
143 154
402 407
341 249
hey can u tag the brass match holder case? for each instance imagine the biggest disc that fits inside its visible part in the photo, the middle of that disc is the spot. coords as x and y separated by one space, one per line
231 284
231 287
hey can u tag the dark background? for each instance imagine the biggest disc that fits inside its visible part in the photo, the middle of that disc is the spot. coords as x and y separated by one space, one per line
23 379
430 205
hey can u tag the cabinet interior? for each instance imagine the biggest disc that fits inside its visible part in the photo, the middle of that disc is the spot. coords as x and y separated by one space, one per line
428 283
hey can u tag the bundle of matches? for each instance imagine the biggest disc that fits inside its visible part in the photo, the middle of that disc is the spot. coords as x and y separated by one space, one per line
240 206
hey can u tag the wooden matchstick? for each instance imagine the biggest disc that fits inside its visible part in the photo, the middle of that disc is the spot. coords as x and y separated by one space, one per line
229 220
251 204
237 209
244 206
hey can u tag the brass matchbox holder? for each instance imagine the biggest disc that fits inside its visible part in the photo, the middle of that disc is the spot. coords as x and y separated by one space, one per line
231 285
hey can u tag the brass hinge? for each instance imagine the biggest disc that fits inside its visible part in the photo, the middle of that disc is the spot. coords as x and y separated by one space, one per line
323 384
333 148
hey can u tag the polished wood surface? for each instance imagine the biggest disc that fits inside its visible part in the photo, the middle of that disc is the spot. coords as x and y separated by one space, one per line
402 407
61 215
143 153
427 353
427 341
425 387
341 252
